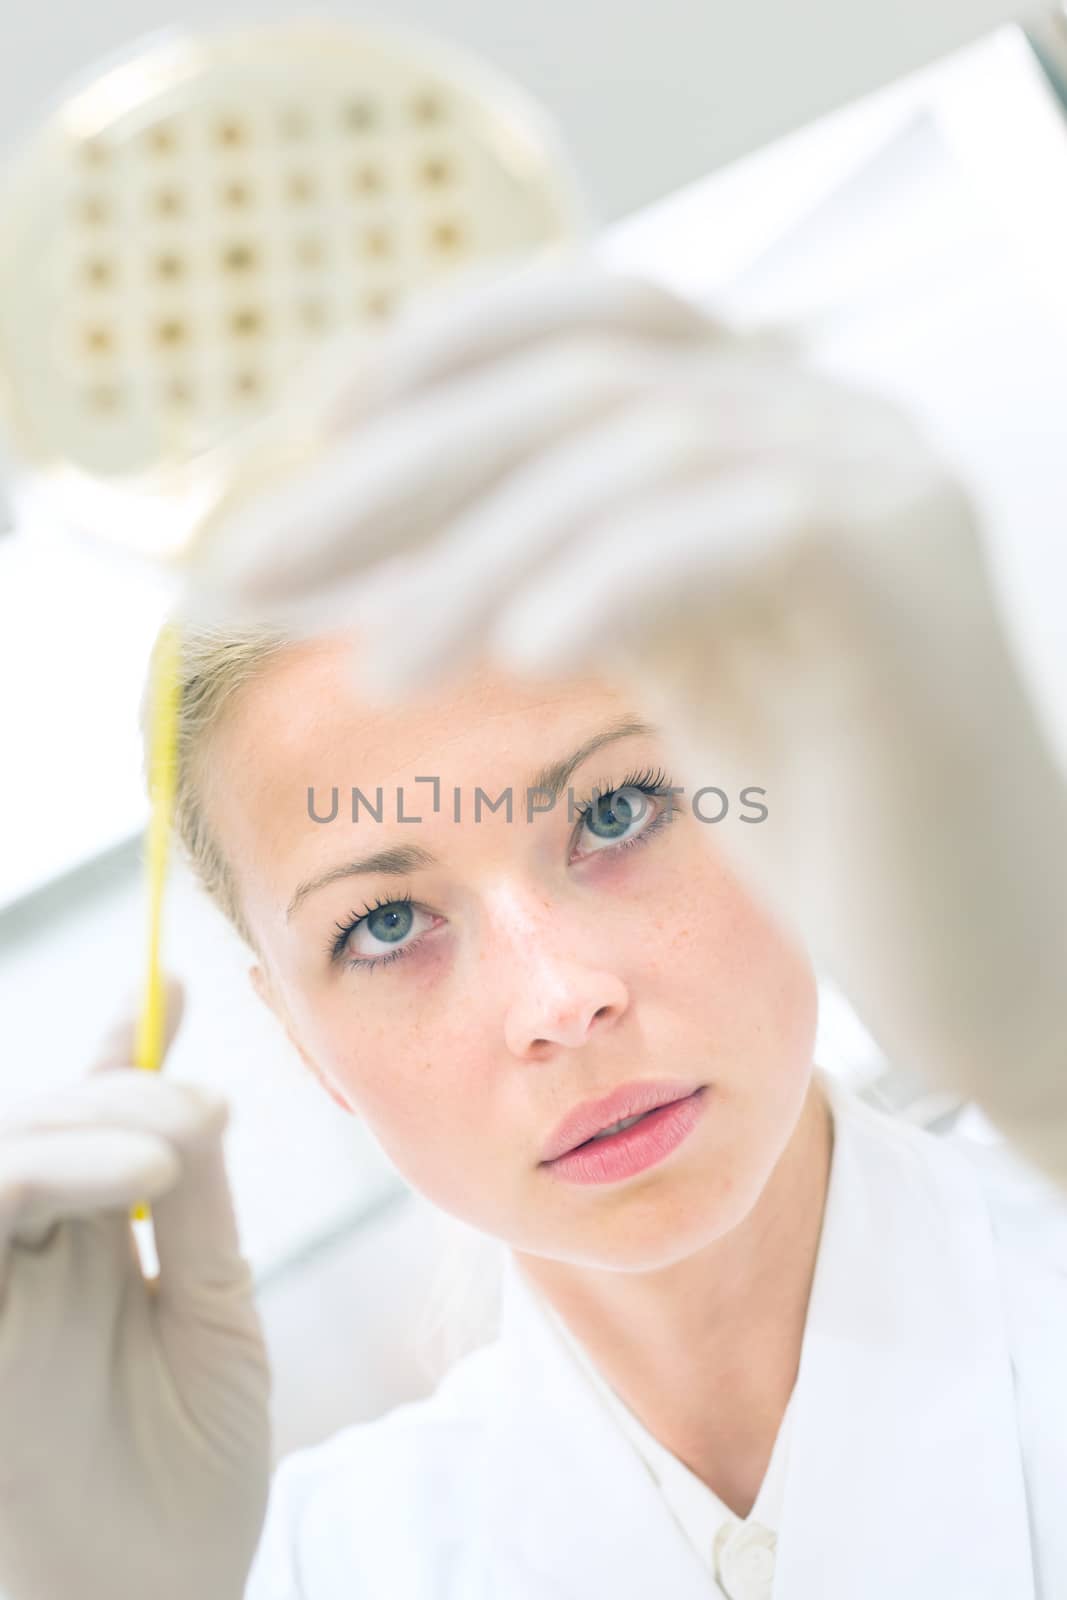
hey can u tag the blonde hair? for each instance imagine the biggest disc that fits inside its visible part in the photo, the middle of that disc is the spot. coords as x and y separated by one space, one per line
215 663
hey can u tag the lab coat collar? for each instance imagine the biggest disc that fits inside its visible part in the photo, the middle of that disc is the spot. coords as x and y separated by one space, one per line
572 1508
904 1475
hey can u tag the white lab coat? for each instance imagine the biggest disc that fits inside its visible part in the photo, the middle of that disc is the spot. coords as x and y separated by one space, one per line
927 1455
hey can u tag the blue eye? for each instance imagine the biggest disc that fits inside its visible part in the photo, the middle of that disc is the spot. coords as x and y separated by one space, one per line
390 922
614 810
611 811
387 920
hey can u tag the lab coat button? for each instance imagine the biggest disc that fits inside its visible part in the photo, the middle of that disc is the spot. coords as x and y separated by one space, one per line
744 1560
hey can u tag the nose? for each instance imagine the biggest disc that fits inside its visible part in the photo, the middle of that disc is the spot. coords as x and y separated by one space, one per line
558 996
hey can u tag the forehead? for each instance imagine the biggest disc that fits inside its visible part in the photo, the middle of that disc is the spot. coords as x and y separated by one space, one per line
307 709
304 723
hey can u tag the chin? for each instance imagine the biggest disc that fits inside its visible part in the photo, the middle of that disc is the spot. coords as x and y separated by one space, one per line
654 1231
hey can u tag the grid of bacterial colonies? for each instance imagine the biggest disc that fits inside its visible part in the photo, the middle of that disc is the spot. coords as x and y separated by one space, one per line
210 247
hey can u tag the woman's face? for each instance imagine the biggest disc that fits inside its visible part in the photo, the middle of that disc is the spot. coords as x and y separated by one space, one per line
518 967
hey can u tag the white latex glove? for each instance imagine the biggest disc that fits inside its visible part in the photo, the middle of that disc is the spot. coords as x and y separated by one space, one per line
133 1414
576 471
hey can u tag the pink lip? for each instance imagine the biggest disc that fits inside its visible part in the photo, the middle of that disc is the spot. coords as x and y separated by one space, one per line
629 1100
622 1155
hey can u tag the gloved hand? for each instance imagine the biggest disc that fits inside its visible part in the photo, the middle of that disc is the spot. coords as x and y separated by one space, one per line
579 472
136 1452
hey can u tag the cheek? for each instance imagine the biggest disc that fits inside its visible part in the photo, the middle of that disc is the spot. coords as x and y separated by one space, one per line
426 1091
432 1117
740 976
414 1085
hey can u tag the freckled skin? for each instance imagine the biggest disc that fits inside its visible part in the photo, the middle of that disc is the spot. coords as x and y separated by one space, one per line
552 968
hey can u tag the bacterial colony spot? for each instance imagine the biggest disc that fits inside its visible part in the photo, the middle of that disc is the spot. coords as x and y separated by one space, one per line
236 195
169 202
99 273
162 141
367 179
99 341
301 188
358 116
239 258
246 323
171 333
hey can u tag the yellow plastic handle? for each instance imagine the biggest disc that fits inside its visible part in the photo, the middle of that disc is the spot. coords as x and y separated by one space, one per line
165 683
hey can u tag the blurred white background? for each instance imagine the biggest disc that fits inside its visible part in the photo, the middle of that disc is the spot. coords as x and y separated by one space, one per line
648 97
918 235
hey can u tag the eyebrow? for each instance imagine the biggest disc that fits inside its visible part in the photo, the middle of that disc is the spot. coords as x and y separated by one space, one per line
402 859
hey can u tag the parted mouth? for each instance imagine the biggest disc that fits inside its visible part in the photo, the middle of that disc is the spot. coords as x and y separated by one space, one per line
624 1105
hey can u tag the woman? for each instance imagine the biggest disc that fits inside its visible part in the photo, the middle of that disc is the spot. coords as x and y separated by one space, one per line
762 1340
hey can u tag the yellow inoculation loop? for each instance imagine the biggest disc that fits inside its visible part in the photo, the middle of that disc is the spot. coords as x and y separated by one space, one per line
162 779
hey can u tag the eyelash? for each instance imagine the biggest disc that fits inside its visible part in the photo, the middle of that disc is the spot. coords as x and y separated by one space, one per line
654 784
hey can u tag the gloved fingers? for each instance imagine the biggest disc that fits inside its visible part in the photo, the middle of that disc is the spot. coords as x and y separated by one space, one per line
49 1174
701 416
341 606
634 577
619 522
453 333
443 604
185 1115
179 1125
196 1232
393 484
